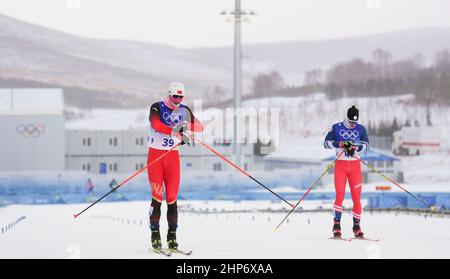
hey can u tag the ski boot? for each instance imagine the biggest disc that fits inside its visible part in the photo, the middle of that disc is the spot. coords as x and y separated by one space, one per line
172 240
337 229
156 238
357 231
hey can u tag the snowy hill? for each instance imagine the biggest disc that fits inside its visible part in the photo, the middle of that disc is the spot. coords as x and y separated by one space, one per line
313 115
33 53
292 59
136 71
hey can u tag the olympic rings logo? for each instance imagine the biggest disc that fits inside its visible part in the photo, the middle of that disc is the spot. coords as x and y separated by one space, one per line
173 118
348 134
30 130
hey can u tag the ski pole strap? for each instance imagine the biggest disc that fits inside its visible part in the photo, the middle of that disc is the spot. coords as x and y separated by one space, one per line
310 188
128 179
239 169
393 182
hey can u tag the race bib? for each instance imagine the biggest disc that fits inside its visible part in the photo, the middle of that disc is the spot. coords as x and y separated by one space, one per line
161 141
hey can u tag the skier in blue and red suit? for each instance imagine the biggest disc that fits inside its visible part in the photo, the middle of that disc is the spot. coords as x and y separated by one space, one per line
169 122
351 137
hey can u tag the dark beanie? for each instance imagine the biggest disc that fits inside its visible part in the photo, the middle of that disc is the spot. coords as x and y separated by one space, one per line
353 114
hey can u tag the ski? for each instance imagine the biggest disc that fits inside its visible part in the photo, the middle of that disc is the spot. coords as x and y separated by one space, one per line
340 238
162 252
367 239
178 251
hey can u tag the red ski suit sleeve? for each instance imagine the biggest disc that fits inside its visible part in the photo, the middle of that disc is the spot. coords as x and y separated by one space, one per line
195 125
156 122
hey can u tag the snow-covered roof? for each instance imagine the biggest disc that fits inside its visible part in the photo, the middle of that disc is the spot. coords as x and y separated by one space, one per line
109 120
31 101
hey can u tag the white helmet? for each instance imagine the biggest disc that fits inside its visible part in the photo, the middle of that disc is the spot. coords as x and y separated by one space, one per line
176 88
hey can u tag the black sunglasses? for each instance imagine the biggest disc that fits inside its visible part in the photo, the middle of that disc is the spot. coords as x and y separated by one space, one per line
177 97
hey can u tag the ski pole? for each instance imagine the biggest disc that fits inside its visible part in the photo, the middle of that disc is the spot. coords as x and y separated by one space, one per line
239 169
128 179
393 182
310 188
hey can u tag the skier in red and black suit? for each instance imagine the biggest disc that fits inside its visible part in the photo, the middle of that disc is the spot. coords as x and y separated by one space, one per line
170 120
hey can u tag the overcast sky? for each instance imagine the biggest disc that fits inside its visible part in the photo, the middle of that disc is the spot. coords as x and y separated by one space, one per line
196 23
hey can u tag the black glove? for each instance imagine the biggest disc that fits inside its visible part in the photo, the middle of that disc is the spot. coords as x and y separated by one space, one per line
349 148
184 139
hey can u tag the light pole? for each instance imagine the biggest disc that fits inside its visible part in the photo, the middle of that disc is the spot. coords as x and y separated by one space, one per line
238 15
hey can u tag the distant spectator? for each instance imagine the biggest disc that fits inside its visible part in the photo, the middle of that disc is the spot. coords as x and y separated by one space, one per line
90 186
113 184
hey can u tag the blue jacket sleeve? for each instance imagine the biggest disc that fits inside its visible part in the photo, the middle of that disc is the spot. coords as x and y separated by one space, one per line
330 140
364 140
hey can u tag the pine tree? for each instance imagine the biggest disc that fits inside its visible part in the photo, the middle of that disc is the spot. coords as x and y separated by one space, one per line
395 126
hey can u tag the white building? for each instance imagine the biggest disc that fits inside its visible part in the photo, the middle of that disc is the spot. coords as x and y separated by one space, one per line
32 130
416 140
106 151
125 151
36 137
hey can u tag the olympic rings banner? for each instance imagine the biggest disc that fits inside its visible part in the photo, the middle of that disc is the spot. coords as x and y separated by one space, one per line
30 130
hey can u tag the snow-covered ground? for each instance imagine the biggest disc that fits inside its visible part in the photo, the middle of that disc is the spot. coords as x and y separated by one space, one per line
428 169
119 230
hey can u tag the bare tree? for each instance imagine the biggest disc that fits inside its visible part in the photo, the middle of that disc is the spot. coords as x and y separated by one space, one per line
442 61
313 77
382 60
442 75
267 84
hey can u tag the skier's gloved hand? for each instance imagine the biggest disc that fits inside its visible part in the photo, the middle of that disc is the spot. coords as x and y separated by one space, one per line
349 148
348 145
351 152
185 139
181 127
